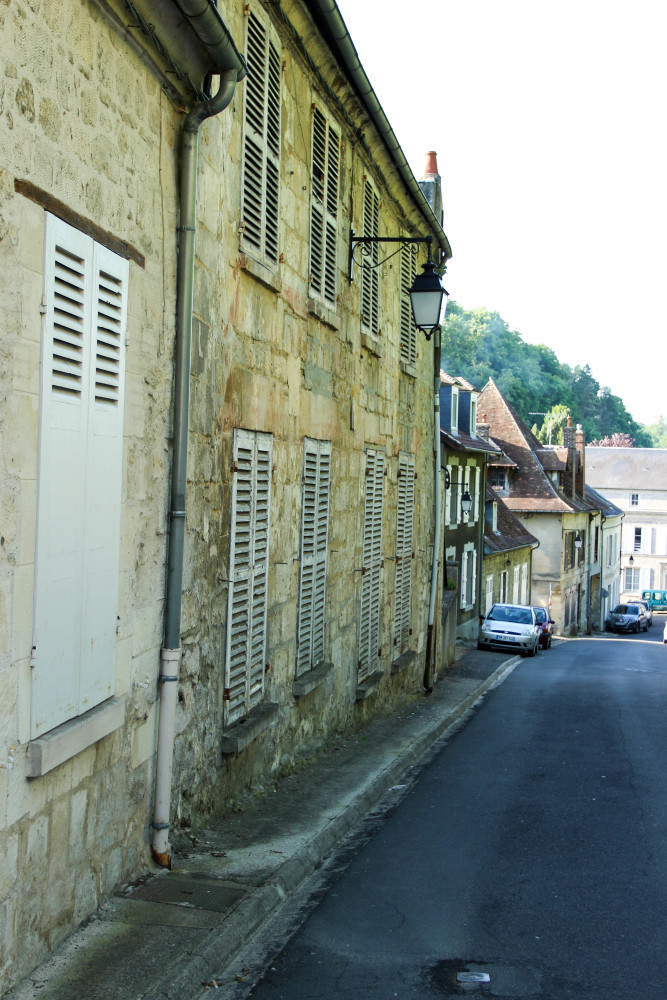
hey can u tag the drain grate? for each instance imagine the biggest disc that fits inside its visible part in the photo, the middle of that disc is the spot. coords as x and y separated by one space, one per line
182 890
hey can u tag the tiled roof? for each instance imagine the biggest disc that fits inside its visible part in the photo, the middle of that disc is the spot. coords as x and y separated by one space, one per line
606 506
530 487
464 442
553 459
457 380
511 533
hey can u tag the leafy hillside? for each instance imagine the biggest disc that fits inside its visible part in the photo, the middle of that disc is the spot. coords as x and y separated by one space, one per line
479 345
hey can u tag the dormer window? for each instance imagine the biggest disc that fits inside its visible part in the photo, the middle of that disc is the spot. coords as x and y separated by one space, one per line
473 415
455 410
498 478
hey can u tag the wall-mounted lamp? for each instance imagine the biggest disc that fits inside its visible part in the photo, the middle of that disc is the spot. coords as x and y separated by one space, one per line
577 541
631 560
427 292
466 503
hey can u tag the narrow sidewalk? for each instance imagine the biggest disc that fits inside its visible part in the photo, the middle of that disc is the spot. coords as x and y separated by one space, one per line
174 931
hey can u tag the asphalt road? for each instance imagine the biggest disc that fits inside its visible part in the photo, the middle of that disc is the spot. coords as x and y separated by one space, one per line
532 849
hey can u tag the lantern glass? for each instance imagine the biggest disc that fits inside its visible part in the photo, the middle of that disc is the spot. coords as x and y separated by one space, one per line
426 296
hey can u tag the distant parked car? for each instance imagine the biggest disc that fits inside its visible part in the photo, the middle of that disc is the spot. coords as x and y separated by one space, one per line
649 613
510 626
627 618
546 625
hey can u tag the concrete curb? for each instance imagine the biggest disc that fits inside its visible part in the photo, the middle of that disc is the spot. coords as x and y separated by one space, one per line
224 943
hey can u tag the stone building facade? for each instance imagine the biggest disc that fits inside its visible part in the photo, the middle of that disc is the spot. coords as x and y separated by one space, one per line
306 446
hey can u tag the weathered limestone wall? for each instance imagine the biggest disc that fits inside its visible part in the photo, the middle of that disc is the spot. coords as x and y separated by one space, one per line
84 121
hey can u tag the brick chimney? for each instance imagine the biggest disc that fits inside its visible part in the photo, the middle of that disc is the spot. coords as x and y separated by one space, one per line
581 462
431 185
482 429
568 441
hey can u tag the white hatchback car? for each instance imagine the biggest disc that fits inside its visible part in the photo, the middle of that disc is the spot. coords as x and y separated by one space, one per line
510 626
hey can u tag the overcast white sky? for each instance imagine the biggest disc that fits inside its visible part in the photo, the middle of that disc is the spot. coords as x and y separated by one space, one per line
549 123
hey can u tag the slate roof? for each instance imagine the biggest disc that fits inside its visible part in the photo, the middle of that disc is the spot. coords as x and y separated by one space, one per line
511 533
627 468
530 487
608 508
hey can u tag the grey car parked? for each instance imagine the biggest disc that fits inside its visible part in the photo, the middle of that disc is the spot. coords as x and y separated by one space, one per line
627 618
510 626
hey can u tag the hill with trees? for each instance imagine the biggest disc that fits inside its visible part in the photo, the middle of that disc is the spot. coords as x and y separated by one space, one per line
479 345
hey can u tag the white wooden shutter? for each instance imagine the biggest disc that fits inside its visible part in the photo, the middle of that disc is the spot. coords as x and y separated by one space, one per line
478 478
324 209
524 583
369 630
472 592
314 534
488 597
369 273
79 476
515 585
408 328
248 573
404 527
261 143
464 580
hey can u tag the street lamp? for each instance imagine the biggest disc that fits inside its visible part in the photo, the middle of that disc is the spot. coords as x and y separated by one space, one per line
577 541
426 297
466 503
631 560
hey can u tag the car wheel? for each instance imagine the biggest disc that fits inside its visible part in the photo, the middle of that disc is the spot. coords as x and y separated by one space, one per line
637 629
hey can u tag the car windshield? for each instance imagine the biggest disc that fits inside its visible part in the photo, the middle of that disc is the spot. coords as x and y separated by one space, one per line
626 609
521 616
540 614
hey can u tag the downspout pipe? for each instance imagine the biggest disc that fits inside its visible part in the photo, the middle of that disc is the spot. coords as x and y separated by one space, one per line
430 644
171 652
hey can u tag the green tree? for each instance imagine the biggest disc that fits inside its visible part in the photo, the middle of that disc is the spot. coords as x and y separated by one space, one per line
657 433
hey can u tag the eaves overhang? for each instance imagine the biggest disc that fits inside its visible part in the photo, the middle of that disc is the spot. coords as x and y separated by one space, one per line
329 20
184 42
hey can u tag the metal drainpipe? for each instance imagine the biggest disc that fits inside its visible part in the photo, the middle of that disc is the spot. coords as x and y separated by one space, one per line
171 652
430 645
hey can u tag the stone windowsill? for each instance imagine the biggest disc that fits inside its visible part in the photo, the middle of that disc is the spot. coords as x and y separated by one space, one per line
312 679
242 733
404 661
71 738
408 369
369 686
260 271
373 345
324 314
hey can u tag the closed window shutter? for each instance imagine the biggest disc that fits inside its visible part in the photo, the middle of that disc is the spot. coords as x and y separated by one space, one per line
448 496
488 600
314 536
248 573
404 528
464 579
478 474
79 477
524 584
472 578
408 328
369 272
261 144
369 631
515 585
324 209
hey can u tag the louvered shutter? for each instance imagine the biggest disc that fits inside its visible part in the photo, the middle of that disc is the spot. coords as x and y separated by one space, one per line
472 583
448 496
408 328
314 535
324 209
478 474
524 583
369 631
369 272
464 579
79 477
515 585
404 526
261 143
248 573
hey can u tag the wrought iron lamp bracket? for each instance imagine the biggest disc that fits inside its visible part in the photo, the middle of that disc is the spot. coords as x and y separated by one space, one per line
366 242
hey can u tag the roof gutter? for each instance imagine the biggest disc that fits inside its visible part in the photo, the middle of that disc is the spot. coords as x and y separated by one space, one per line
327 12
214 36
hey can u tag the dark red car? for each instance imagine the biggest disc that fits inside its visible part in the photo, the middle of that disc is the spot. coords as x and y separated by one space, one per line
546 625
